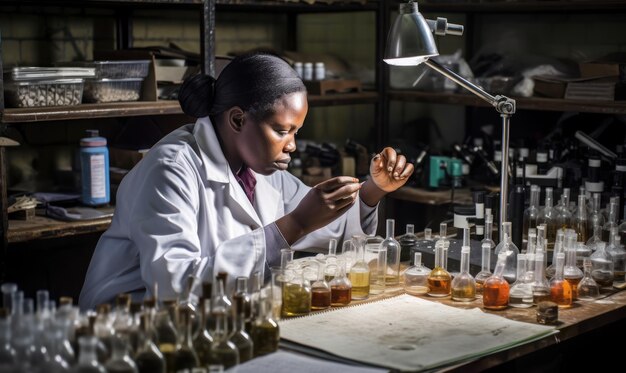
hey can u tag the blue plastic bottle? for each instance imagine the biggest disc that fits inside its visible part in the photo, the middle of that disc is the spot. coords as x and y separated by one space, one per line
94 165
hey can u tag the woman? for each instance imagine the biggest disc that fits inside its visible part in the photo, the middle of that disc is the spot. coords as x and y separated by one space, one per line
214 195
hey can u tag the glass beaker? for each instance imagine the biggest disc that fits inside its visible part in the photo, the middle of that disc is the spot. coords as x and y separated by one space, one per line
376 258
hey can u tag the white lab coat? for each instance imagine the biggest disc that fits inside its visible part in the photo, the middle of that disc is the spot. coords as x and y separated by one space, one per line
181 209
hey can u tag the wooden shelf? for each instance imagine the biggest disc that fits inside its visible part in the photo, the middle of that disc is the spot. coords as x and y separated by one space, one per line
88 111
297 7
522 6
129 109
431 197
344 99
528 103
42 227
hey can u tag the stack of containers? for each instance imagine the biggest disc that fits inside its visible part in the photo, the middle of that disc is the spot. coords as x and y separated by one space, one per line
45 86
115 80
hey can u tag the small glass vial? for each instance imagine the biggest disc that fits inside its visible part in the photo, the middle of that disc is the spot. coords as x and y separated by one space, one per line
331 269
602 267
296 295
393 255
320 71
320 291
308 71
588 289
485 271
521 293
464 285
340 287
496 288
265 331
560 290
360 273
416 277
299 69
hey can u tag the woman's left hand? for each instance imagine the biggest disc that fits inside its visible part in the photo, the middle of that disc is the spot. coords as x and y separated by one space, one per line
389 170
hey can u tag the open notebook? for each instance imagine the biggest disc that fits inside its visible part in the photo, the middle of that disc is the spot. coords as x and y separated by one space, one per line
407 333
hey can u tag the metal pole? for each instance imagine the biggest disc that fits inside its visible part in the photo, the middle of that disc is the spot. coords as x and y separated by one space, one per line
504 176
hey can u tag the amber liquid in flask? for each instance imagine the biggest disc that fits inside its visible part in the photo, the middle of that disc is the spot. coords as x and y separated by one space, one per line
496 288
439 280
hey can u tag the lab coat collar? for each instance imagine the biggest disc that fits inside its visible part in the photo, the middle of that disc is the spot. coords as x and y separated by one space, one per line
217 169
213 159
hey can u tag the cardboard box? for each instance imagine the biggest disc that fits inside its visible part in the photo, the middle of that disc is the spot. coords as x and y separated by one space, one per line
550 86
611 65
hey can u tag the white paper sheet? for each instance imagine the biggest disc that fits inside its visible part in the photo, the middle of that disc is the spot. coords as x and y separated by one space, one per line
409 333
287 362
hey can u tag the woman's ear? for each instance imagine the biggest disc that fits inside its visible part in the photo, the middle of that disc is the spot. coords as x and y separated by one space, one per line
235 118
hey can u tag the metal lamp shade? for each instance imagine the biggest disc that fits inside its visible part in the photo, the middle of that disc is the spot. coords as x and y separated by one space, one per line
410 41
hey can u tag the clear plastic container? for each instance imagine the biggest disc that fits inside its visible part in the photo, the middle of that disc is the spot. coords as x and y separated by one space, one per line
48 73
59 92
119 69
112 90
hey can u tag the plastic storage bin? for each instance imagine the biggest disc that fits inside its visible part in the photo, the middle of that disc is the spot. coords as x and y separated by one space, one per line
119 69
59 92
112 90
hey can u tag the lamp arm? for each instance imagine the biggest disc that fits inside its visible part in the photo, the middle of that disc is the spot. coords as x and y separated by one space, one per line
503 105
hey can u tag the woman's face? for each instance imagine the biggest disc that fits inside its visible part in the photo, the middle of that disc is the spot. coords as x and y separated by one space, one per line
265 146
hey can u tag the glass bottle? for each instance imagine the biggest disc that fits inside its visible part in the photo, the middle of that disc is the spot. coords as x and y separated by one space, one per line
360 273
296 294
341 287
376 258
7 352
445 244
87 357
511 250
53 336
531 214
587 288
602 267
547 216
265 331
320 291
463 285
166 335
439 280
239 337
560 290
618 256
242 292
496 288
331 260
348 253
408 243
428 234
571 273
595 218
579 221
611 222
223 351
488 232
185 356
521 293
559 247
148 358
596 238
256 282
120 361
485 271
540 286
416 277
103 327
563 215
393 255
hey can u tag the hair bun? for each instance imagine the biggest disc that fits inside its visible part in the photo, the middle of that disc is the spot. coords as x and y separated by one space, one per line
196 95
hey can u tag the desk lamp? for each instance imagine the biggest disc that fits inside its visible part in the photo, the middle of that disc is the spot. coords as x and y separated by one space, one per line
410 42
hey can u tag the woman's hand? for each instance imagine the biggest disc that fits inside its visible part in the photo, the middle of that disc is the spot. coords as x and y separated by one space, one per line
324 203
389 170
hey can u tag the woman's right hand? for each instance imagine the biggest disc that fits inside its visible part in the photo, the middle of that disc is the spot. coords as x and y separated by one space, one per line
324 203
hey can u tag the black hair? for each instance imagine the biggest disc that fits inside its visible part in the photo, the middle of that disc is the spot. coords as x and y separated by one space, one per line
252 82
